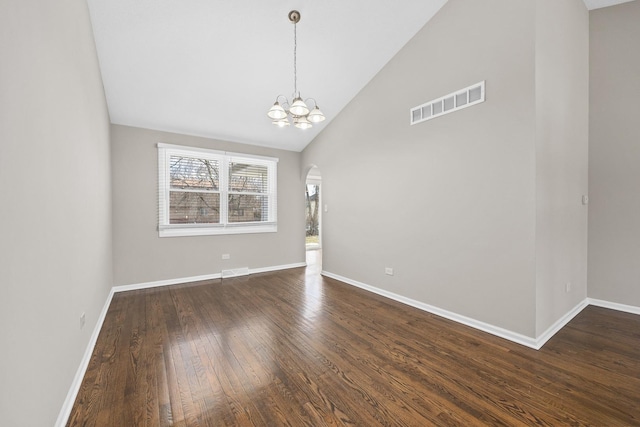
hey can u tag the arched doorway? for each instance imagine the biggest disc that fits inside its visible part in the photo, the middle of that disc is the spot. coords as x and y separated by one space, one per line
313 215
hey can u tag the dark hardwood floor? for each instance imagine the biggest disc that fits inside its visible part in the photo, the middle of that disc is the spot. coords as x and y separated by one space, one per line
293 348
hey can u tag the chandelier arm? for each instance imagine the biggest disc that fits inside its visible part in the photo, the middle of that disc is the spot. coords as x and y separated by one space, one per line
284 104
315 103
282 96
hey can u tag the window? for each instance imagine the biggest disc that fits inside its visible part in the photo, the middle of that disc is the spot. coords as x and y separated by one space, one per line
204 192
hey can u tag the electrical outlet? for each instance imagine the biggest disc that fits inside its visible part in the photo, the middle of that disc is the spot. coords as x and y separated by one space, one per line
388 271
567 287
226 256
82 320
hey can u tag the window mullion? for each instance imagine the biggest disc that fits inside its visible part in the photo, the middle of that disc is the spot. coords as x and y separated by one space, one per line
224 190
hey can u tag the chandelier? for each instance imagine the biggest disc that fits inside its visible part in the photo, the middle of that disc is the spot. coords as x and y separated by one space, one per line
283 112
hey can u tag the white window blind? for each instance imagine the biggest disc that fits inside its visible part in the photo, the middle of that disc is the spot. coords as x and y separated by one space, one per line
205 192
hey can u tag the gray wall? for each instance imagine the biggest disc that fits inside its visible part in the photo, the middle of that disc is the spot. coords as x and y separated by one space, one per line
479 212
55 211
448 203
139 255
562 125
614 154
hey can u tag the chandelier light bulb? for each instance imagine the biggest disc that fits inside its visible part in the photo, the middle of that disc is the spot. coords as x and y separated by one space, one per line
277 112
284 122
298 107
316 116
302 122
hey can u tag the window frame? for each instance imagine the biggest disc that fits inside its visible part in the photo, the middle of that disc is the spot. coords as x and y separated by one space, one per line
165 229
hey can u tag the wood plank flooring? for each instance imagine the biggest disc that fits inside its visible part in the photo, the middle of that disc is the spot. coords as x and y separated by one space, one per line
292 348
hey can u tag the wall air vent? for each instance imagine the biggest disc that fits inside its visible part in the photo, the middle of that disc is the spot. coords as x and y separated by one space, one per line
455 101
236 272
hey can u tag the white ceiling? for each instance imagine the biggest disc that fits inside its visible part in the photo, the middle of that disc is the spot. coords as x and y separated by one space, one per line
214 67
597 4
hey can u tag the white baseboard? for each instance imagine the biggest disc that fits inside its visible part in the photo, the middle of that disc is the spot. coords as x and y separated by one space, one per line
168 282
560 323
485 327
535 343
614 306
277 267
67 406
65 411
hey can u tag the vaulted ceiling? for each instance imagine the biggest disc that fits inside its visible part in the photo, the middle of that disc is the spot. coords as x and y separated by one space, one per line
214 67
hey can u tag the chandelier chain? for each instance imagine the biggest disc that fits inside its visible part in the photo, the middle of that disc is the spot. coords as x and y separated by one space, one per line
295 59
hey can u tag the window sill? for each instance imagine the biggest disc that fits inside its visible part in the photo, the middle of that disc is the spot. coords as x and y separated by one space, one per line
178 231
